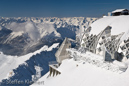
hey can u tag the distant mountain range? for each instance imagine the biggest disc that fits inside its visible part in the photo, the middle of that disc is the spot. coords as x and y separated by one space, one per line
22 35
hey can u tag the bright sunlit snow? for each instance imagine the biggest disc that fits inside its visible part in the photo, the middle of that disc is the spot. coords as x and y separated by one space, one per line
84 74
7 63
119 24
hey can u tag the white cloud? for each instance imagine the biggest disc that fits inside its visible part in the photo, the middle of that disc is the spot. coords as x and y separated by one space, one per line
27 27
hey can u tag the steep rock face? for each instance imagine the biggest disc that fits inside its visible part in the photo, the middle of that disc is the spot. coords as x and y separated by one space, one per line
19 36
69 31
14 46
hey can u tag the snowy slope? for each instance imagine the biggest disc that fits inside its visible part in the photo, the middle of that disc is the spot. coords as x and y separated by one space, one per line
84 75
8 63
119 24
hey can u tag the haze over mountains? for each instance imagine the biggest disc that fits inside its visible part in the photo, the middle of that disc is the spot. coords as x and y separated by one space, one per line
22 35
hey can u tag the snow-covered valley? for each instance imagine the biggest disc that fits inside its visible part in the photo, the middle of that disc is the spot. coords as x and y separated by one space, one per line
34 32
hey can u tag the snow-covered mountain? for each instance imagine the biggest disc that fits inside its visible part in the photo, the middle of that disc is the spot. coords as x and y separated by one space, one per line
89 69
22 68
22 35
32 40
83 72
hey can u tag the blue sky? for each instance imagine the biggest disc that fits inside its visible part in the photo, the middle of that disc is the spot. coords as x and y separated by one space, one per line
59 8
